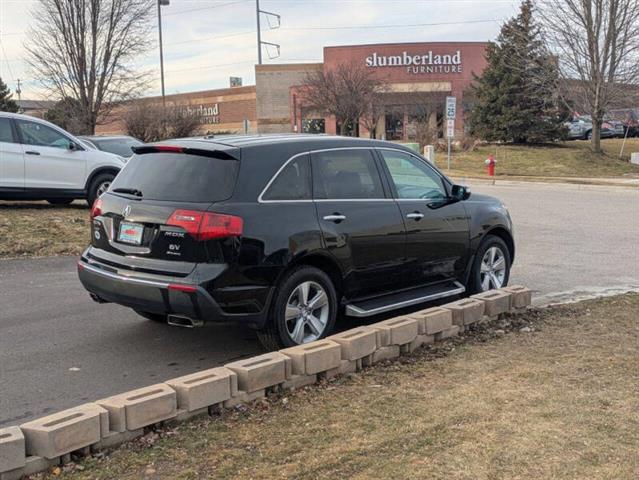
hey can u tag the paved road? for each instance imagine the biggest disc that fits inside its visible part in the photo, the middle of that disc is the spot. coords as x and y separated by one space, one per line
58 348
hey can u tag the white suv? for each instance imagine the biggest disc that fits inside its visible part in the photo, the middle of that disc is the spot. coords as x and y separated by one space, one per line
40 161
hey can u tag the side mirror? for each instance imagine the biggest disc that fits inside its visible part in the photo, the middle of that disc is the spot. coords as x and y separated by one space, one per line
72 146
459 192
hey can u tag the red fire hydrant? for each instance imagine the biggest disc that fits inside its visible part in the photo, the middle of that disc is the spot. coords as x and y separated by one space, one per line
490 165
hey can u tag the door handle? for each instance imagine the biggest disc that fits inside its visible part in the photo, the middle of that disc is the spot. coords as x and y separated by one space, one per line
32 152
415 215
336 217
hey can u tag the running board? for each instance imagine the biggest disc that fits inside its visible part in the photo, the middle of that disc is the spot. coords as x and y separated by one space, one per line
387 303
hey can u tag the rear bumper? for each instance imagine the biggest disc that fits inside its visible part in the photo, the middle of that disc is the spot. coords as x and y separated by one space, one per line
157 295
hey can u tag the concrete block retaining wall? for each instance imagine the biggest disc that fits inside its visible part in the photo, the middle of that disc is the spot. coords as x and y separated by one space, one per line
41 443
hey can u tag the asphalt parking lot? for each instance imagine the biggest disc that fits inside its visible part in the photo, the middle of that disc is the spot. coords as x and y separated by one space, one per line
58 348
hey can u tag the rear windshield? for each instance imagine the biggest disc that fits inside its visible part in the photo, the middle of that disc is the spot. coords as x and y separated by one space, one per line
178 177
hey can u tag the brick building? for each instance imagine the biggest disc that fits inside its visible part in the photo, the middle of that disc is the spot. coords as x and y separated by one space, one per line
222 110
418 76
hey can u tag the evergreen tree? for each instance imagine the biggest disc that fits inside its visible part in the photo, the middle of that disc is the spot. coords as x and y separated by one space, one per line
516 95
7 104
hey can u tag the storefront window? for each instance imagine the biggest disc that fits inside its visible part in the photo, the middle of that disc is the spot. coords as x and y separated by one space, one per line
314 125
352 129
394 121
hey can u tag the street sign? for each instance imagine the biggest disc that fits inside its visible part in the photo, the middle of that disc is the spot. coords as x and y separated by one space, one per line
450 128
451 107
451 112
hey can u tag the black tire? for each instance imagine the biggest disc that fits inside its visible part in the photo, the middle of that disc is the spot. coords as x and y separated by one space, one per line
475 283
96 183
60 201
154 317
275 334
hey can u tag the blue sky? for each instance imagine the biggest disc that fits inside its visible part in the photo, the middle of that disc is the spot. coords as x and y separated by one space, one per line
206 41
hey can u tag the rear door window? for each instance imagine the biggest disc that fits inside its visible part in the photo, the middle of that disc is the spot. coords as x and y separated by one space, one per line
346 174
179 177
6 132
292 183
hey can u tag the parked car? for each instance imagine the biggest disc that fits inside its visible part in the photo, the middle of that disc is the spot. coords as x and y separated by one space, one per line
121 145
613 126
580 128
40 161
282 233
629 118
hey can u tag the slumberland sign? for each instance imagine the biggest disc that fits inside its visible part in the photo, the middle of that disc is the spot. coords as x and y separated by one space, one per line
206 114
418 64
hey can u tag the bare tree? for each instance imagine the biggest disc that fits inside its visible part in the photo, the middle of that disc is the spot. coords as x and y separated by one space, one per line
346 92
179 123
151 122
83 49
373 114
144 120
597 44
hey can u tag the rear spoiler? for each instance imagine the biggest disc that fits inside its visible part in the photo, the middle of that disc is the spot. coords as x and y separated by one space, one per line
220 154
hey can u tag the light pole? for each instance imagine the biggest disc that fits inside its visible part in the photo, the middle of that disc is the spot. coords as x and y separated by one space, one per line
260 42
259 33
161 3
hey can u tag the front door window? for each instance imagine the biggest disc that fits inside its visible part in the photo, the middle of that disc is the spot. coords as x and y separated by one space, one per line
412 177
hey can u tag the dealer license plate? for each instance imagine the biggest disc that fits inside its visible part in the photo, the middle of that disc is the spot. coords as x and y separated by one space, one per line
131 233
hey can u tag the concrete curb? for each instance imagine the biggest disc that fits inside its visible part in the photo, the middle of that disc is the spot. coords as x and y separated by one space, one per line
48 441
564 182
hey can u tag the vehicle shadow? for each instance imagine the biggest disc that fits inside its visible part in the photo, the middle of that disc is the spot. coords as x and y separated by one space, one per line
41 205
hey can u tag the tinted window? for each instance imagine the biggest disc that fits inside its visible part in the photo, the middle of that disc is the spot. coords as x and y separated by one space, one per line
412 177
33 133
178 177
292 183
346 174
6 134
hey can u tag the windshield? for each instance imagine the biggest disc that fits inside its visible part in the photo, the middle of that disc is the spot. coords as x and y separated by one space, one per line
119 146
178 177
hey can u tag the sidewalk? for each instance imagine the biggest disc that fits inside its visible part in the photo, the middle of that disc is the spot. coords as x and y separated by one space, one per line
575 182
551 394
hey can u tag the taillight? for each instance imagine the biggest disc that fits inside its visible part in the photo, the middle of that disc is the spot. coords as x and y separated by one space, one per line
96 209
207 225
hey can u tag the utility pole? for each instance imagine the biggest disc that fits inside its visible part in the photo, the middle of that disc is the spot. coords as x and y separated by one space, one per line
269 15
259 33
18 89
160 4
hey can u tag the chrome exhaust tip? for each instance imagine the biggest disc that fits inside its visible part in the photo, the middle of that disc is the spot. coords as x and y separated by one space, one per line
183 321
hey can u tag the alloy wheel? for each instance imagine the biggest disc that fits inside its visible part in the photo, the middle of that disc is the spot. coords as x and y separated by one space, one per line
307 312
493 269
102 188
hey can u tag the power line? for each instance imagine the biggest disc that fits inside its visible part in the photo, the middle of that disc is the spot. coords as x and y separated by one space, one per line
202 67
6 60
218 37
252 32
361 27
205 8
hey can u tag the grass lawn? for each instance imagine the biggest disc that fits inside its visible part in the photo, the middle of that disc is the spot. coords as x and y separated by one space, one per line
566 159
37 229
560 402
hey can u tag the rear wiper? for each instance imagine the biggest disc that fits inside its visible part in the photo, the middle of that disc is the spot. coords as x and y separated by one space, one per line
130 191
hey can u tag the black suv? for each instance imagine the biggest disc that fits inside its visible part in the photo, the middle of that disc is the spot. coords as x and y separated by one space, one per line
283 233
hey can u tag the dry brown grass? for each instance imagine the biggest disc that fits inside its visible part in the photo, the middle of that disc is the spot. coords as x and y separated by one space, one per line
37 229
565 159
561 403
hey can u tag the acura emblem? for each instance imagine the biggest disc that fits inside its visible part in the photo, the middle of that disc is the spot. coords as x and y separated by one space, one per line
127 211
